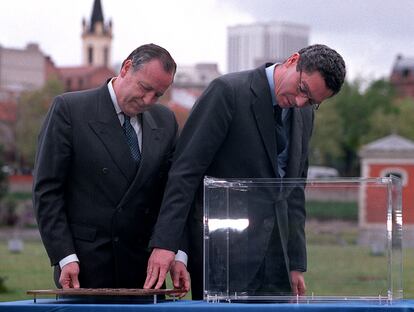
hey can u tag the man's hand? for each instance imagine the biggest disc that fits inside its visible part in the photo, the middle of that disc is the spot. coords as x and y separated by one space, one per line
298 283
180 277
69 276
159 264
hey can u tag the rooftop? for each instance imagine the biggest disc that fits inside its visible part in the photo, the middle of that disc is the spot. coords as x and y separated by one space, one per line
403 63
392 146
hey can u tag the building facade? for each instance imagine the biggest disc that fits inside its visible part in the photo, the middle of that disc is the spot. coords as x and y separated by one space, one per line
391 155
402 76
189 83
196 76
252 45
22 69
28 69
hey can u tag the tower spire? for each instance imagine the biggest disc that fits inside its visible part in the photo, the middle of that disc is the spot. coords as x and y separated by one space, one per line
97 38
97 15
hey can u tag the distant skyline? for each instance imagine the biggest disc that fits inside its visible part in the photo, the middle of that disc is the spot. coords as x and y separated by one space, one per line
369 33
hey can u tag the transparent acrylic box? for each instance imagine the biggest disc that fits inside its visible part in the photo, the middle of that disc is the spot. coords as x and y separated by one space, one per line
349 243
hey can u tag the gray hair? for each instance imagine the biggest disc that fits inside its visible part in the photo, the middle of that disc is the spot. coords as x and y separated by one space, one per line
149 52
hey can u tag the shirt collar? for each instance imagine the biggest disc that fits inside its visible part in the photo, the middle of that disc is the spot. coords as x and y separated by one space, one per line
113 96
270 79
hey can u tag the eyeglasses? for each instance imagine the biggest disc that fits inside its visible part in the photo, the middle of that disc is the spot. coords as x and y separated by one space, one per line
303 91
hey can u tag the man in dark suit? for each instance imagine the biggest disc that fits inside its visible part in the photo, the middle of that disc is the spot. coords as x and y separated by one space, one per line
252 124
101 167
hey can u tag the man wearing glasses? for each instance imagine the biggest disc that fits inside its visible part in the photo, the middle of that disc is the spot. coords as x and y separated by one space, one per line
251 124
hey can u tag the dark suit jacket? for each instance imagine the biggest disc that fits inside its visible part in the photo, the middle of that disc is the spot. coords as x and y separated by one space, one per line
231 134
89 198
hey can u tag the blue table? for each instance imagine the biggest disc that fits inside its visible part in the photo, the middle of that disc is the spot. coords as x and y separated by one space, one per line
46 305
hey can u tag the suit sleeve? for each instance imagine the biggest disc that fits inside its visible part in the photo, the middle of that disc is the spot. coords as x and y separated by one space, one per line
297 212
52 165
297 240
202 136
167 158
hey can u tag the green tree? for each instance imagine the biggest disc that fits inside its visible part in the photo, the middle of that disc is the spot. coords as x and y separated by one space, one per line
325 147
350 120
339 123
405 122
400 122
32 110
384 113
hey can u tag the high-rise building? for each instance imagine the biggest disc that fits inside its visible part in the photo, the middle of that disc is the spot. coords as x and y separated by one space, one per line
252 45
96 38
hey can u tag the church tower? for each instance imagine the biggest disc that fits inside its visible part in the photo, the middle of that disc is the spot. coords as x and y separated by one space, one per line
96 39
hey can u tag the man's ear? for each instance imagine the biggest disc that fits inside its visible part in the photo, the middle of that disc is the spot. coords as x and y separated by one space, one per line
127 65
293 59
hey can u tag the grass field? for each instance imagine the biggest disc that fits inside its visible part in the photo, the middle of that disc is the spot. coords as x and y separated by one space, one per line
358 271
347 211
29 269
345 270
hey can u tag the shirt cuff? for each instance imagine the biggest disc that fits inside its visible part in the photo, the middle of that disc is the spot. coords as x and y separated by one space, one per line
69 259
181 256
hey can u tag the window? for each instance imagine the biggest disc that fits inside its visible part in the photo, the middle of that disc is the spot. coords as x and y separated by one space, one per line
398 172
90 55
406 73
106 56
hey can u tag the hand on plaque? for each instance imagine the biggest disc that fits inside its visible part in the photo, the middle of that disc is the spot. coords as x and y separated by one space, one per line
159 264
69 276
180 277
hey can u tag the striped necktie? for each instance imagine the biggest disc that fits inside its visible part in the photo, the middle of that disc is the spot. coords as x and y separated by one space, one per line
132 139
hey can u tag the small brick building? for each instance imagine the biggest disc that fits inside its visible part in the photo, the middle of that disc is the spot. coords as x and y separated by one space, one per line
394 155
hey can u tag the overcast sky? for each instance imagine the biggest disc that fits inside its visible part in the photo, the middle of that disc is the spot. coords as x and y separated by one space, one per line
368 33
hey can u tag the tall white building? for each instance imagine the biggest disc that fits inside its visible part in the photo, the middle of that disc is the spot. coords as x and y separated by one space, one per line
251 45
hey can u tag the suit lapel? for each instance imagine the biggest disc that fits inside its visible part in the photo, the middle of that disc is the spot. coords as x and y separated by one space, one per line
263 113
107 127
151 139
151 143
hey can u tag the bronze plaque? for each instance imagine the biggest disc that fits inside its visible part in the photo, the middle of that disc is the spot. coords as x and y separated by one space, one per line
106 292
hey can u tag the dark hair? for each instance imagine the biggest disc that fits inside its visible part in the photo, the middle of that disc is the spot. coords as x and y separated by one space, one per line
326 61
149 52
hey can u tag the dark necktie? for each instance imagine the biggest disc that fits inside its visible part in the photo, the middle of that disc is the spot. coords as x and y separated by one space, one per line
280 131
132 139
